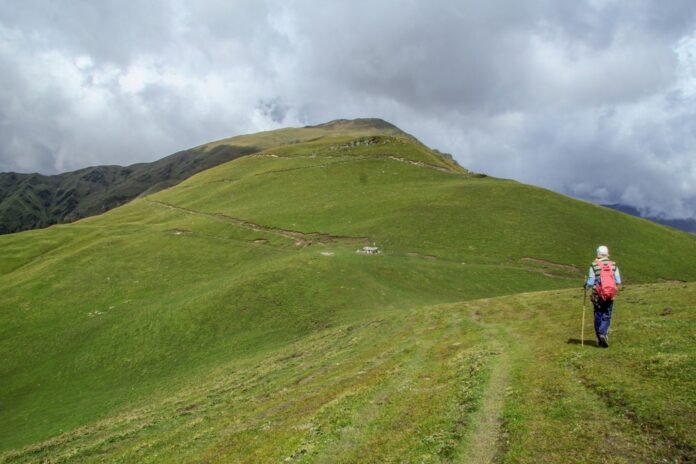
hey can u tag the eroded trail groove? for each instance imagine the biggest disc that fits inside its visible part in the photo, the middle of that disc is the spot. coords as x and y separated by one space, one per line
487 439
301 239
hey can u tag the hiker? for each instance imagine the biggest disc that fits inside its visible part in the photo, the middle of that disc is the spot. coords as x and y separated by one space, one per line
604 277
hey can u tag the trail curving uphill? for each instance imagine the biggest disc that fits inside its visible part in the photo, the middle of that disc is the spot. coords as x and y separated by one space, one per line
301 239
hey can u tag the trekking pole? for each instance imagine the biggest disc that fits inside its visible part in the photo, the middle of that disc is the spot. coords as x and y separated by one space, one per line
584 303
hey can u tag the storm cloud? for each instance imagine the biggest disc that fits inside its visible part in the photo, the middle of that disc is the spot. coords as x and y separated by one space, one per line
595 99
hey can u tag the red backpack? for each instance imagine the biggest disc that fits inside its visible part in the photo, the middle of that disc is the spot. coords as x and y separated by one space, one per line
606 284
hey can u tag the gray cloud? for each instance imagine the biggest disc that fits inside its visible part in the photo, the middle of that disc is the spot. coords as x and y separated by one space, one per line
594 99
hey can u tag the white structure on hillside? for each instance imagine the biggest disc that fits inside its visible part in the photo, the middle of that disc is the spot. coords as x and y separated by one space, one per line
369 250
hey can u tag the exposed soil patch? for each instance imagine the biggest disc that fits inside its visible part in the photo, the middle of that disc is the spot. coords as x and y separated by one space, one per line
187 410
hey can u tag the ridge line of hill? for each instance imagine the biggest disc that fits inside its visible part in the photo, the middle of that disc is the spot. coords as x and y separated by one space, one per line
34 201
351 159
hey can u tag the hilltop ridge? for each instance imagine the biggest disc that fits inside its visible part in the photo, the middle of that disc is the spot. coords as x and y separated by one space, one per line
358 124
31 201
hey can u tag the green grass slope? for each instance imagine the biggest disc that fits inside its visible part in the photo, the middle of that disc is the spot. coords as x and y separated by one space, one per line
230 319
492 380
33 201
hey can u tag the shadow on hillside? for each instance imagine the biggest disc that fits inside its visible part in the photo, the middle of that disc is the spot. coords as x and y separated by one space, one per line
577 341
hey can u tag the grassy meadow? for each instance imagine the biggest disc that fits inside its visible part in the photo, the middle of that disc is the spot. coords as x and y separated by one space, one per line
230 319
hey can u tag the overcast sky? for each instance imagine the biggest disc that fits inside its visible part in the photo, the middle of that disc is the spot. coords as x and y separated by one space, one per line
596 99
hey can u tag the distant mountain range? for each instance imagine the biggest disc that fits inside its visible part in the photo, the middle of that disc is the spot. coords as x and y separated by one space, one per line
688 225
33 201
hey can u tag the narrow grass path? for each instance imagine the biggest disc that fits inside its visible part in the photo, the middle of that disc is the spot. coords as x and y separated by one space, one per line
486 442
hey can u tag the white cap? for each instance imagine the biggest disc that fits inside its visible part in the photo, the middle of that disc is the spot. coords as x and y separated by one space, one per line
602 251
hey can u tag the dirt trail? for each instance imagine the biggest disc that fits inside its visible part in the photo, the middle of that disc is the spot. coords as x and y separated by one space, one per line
486 441
301 239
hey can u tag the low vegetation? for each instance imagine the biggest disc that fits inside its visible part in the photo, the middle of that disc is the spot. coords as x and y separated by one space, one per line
410 386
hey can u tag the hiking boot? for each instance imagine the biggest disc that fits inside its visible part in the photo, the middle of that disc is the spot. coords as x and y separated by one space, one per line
603 341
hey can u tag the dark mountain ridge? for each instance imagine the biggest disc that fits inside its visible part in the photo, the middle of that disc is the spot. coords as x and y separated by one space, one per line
687 225
31 201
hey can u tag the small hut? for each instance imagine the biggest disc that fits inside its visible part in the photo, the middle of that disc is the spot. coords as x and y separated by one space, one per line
369 250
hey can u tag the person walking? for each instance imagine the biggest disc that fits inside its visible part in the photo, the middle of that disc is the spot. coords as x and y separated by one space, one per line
604 278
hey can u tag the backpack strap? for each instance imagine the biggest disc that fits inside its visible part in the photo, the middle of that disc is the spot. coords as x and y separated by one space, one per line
599 263
597 267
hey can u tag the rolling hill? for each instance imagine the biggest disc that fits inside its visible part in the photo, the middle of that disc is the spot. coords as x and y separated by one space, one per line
230 319
33 201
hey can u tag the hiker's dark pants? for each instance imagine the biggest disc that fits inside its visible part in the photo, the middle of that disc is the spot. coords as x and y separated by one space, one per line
602 316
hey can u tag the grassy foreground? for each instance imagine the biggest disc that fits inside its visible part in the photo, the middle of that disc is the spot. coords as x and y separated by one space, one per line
500 379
